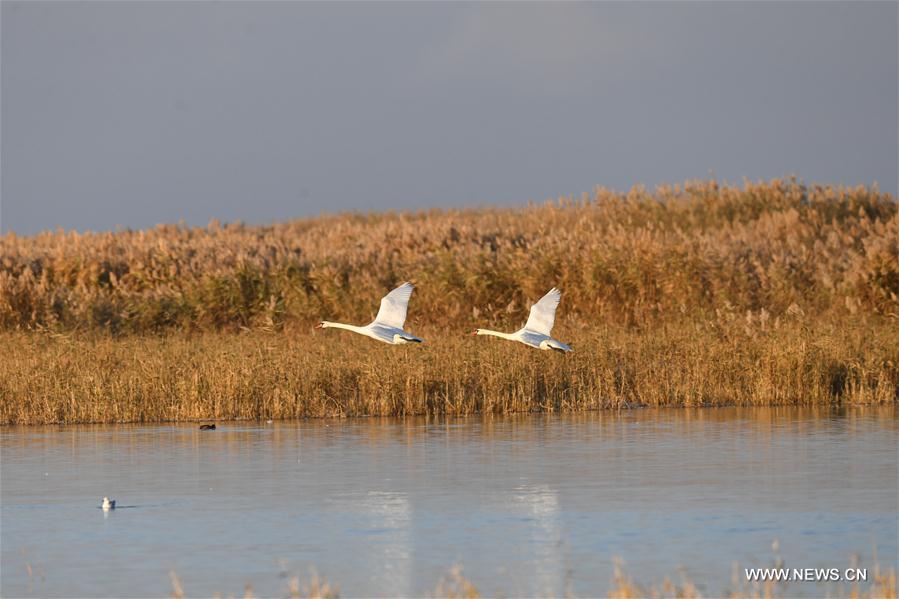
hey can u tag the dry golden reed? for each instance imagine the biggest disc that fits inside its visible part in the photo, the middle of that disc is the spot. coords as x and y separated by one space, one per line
636 257
883 586
456 586
701 294
261 375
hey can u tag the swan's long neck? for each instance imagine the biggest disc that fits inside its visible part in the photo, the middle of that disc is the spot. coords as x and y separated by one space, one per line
339 325
496 334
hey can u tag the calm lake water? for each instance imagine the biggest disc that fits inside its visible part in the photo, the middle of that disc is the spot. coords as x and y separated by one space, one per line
527 505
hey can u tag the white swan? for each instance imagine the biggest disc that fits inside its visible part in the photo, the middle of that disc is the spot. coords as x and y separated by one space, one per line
536 332
388 324
107 504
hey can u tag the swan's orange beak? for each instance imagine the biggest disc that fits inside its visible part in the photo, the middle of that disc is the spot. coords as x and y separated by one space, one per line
319 326
474 332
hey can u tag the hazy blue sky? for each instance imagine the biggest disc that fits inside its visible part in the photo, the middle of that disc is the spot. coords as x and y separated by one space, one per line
124 113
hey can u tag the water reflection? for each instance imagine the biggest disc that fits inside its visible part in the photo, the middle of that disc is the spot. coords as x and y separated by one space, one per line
380 523
541 503
375 432
528 504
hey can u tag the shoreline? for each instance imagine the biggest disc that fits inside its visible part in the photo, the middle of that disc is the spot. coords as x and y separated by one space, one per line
443 418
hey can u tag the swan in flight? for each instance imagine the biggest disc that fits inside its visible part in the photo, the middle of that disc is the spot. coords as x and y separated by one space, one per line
388 324
536 332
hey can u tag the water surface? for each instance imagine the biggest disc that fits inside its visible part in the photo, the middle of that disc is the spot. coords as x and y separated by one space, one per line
527 505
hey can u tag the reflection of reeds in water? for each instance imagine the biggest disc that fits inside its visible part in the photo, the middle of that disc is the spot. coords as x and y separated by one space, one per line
697 295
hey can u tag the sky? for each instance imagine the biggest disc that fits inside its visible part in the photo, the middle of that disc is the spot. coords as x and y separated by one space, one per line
128 114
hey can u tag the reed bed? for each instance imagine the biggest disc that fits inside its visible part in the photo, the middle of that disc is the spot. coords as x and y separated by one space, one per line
636 257
260 375
701 294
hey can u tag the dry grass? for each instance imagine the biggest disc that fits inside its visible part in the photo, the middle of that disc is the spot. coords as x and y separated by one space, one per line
636 258
456 586
57 379
776 293
882 587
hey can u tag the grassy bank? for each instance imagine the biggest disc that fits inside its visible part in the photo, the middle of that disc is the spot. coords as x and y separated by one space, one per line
260 375
772 293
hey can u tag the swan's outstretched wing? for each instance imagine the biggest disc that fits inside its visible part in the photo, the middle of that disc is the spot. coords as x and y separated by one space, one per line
393 306
543 313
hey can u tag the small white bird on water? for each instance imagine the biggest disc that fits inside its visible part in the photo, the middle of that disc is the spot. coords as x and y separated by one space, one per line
388 324
107 504
536 332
